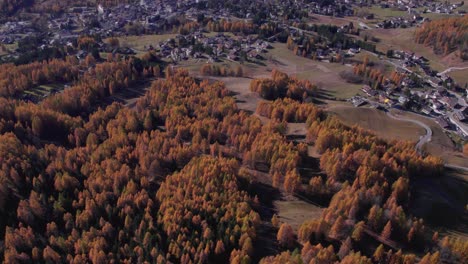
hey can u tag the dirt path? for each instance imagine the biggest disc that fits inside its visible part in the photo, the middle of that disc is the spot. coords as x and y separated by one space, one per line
454 69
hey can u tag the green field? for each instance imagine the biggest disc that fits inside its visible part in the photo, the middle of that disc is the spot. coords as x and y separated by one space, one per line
138 43
460 76
327 20
297 212
3 52
379 61
7 48
378 122
325 75
194 65
435 16
385 13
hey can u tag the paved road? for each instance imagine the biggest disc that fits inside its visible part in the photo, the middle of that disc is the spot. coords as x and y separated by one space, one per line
456 167
426 138
423 139
460 125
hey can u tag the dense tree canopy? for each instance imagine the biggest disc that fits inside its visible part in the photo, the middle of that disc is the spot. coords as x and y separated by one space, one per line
165 180
445 35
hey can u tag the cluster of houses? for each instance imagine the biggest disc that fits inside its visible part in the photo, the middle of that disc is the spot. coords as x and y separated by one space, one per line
11 32
384 96
198 45
444 7
430 78
342 8
402 22
438 101
457 121
416 6
429 96
338 9
325 53
448 110
153 16
415 9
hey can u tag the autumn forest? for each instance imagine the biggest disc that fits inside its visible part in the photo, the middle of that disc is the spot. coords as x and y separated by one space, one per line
170 179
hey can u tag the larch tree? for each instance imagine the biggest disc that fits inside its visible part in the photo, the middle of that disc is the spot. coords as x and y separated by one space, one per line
345 248
275 221
337 228
285 235
379 254
219 249
387 231
358 231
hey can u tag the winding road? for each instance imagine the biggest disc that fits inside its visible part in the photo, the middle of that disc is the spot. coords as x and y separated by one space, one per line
423 139
454 69
456 167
